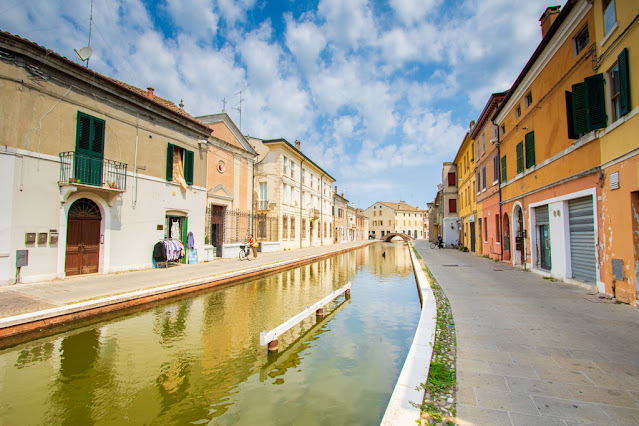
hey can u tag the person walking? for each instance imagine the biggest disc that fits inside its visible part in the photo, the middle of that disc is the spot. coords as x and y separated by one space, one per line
253 244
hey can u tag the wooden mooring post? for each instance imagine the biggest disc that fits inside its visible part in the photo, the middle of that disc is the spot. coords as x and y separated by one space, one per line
270 337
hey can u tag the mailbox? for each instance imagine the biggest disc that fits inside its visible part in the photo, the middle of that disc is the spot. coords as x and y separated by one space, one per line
29 238
22 258
519 243
42 237
53 236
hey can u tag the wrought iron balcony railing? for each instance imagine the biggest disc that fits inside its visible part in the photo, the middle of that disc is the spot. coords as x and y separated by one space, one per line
262 205
87 170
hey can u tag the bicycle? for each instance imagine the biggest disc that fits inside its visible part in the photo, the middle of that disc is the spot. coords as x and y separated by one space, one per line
435 244
244 252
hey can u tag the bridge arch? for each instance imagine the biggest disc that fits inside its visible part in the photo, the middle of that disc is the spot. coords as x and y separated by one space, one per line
386 238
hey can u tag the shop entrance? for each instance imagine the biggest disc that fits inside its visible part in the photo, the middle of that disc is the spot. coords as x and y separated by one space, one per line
83 238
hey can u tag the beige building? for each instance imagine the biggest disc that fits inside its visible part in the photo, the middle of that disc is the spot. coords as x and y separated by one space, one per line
389 218
94 171
297 192
449 226
229 188
340 217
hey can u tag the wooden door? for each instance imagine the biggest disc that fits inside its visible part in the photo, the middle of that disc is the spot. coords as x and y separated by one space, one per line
83 238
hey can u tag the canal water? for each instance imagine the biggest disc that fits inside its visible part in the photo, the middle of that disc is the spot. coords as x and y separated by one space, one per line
197 360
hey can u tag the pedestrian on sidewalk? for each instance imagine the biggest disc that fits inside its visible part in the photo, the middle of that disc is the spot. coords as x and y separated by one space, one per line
439 241
253 244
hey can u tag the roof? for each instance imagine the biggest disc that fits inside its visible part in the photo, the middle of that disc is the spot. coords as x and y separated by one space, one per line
491 105
400 206
223 117
284 141
544 42
93 77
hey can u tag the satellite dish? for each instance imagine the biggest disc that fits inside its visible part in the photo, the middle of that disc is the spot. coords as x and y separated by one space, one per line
84 53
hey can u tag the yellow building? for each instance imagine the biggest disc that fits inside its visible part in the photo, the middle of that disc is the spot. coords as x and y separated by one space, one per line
465 163
550 152
616 33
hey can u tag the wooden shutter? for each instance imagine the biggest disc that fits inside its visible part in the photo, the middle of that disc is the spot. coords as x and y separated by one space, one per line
451 179
570 117
97 145
83 133
624 82
579 109
595 100
530 149
188 167
169 162
503 169
483 177
452 205
520 157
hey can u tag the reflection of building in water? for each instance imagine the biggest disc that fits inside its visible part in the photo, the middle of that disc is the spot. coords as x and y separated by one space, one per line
389 259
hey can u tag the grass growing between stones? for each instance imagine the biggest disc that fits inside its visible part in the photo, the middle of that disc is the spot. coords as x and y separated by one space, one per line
438 406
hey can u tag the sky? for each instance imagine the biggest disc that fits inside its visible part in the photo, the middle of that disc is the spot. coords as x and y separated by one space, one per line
379 93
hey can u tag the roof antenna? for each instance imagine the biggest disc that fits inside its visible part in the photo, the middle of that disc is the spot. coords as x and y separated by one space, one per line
84 54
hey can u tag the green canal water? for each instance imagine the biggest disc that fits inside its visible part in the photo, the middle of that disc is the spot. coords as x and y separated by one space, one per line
198 360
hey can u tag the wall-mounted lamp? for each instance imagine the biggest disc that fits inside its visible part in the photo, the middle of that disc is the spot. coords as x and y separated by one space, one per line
525 127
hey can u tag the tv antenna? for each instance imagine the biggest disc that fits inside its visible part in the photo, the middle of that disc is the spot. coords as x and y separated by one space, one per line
84 54
239 107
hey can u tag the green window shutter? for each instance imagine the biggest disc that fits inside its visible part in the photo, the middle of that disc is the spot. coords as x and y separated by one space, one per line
579 109
520 157
169 162
595 100
503 169
624 82
530 149
83 133
188 167
570 117
97 146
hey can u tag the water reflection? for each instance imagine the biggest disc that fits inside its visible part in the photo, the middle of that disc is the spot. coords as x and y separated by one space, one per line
198 359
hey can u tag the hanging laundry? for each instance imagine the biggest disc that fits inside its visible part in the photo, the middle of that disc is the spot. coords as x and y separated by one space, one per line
175 229
190 243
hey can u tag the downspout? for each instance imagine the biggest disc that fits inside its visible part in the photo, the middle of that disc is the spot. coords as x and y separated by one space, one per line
501 218
301 192
135 163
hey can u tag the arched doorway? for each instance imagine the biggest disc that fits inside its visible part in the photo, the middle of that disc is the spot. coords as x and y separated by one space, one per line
518 227
83 238
506 237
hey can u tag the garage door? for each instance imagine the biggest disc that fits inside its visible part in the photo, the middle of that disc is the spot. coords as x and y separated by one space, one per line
582 240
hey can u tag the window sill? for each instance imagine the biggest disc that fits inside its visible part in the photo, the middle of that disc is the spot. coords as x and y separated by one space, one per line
607 36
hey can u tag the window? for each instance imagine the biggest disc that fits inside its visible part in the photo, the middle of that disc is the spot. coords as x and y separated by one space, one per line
389 223
528 99
495 169
89 149
497 230
588 106
486 229
292 166
503 129
292 227
520 157
618 77
452 205
610 16
285 227
518 111
451 179
483 143
477 148
503 169
483 177
284 163
303 229
495 131
581 40
179 165
530 149
478 182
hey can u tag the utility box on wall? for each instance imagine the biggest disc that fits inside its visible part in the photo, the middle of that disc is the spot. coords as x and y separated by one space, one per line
22 258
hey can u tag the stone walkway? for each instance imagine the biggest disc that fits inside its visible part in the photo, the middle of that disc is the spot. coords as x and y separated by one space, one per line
25 303
533 351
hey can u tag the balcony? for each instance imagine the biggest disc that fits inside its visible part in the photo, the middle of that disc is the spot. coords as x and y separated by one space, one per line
314 214
262 205
100 175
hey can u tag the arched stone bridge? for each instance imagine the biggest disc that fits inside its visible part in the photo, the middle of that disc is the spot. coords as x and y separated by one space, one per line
386 238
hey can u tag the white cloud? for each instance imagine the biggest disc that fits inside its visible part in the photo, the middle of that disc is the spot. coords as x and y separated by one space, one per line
195 16
347 23
411 11
305 40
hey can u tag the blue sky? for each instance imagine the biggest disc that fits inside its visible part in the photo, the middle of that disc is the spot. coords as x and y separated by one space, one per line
379 93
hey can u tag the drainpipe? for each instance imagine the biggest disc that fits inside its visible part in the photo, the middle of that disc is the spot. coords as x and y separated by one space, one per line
321 208
301 193
501 218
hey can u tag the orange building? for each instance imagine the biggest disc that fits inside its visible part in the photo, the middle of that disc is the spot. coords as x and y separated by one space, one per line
489 215
550 166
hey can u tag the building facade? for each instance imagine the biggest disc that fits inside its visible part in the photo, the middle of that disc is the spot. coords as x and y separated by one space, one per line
449 213
95 172
296 191
465 164
550 184
389 218
340 217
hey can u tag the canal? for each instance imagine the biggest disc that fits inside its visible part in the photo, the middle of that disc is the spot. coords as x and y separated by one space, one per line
197 360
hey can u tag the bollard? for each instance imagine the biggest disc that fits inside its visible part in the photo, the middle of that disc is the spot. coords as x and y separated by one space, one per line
273 345
320 312
347 294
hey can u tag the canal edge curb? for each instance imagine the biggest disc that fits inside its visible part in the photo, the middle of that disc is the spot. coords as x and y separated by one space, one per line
403 407
37 321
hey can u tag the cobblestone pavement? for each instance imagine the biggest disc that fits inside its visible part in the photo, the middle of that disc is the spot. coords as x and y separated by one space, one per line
21 303
532 351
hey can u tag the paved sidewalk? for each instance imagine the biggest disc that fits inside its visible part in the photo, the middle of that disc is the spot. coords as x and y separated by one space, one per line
24 303
536 352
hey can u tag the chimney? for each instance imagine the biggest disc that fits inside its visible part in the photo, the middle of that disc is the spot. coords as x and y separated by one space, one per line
297 145
547 19
149 93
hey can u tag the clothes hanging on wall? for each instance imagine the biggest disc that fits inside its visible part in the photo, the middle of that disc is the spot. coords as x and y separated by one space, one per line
190 243
168 251
175 229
